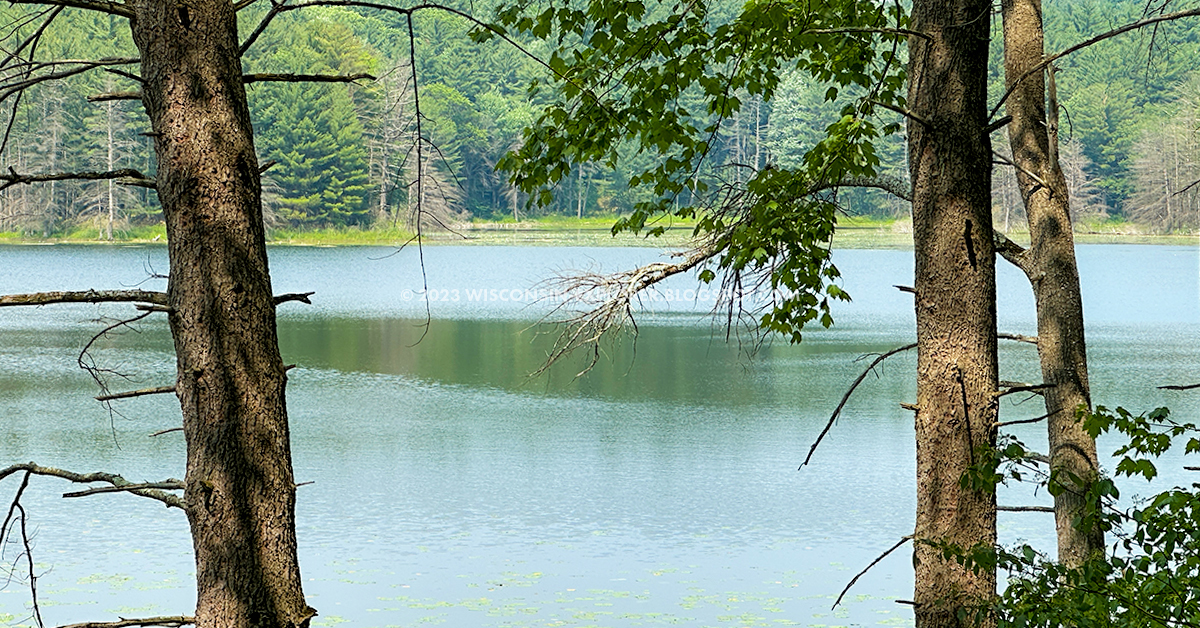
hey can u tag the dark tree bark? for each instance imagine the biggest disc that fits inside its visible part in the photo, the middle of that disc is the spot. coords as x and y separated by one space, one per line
957 376
240 491
1050 265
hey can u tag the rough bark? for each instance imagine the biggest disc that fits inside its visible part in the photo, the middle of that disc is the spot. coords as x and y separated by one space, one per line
240 490
1050 265
957 375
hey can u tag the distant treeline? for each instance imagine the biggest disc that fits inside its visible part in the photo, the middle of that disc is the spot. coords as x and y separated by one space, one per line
346 153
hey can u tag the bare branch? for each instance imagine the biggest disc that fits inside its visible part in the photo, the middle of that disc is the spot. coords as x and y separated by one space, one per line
107 96
1024 508
32 39
1019 338
8 89
1019 387
12 178
241 4
1037 69
137 393
166 431
169 622
904 112
305 78
860 574
846 397
294 296
85 296
172 501
103 6
1187 387
1011 251
170 485
610 301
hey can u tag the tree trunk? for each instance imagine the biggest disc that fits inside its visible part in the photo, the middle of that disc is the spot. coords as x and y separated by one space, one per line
240 489
957 376
1050 265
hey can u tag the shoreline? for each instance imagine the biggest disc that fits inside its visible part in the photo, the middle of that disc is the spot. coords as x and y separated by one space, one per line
593 232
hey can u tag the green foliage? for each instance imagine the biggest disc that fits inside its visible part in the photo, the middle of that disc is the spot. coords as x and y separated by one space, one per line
1152 575
312 131
693 70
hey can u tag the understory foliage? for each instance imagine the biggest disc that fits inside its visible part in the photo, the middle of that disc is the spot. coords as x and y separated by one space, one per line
1151 574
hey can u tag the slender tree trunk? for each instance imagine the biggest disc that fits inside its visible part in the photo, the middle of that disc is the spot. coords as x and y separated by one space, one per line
240 489
957 376
1050 265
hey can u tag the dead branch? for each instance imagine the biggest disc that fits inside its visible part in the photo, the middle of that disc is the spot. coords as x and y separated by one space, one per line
860 574
88 363
294 296
241 4
1009 250
137 393
1187 387
1024 509
609 300
1037 69
85 296
846 397
103 6
107 96
12 178
7 89
166 431
170 622
1019 338
1019 387
15 508
169 485
171 501
305 78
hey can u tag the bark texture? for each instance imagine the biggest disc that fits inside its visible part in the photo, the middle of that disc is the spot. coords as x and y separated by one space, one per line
1050 265
950 165
240 490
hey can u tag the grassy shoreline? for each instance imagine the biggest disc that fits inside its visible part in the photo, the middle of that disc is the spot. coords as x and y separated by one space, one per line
853 233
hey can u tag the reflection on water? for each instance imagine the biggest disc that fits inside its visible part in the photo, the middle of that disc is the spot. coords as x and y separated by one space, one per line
448 487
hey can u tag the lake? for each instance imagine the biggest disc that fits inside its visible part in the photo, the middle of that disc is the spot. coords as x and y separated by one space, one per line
448 487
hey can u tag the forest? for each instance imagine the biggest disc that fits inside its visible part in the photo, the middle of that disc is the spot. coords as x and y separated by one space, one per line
344 154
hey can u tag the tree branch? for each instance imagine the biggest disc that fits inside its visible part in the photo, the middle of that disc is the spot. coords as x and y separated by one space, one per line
305 78
8 89
85 296
860 574
112 8
107 96
846 397
171 501
294 296
1019 338
1187 387
1024 508
137 393
13 178
1037 69
1011 251
170 622
170 485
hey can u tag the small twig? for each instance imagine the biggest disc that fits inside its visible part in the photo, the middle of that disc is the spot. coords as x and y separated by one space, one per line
1187 387
1191 468
1018 387
860 574
166 431
997 124
107 96
906 289
266 165
137 393
846 397
1022 421
1024 508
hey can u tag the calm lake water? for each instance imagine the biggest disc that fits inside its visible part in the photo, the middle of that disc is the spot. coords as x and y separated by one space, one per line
449 488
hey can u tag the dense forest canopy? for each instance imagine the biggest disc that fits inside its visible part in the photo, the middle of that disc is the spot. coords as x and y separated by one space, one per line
344 153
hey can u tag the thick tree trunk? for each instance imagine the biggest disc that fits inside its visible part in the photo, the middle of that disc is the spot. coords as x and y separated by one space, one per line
950 163
1050 265
240 490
